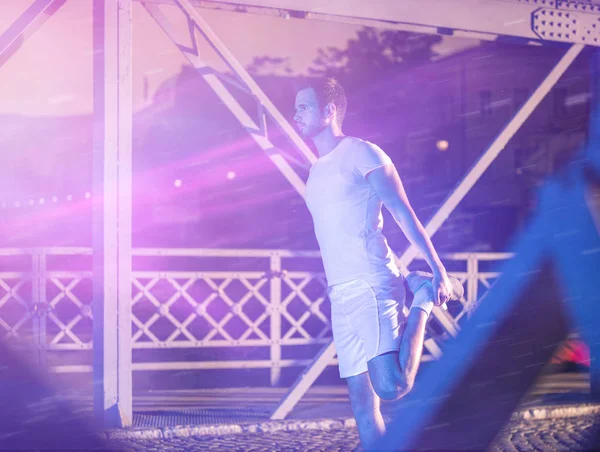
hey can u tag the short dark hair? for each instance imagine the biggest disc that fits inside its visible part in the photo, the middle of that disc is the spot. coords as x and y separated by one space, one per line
328 90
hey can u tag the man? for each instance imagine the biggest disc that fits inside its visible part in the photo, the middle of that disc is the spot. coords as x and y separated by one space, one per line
378 349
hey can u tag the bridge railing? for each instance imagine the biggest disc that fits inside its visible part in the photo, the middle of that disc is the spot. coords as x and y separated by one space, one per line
242 308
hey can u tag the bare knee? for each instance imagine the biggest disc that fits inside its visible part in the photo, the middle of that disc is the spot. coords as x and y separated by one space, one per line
390 381
393 389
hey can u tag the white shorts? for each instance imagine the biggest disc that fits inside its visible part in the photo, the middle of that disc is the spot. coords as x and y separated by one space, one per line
366 321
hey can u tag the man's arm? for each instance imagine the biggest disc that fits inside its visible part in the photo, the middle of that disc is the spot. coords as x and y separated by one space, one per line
388 186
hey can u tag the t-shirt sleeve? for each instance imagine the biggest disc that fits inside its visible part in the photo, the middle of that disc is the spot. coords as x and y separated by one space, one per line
368 157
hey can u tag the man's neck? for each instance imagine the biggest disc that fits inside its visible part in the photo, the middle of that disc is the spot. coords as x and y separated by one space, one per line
327 140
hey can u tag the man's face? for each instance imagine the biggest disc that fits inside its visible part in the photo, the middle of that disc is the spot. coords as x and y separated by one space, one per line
309 117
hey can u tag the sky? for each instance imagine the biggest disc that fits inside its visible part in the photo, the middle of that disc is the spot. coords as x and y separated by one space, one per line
51 75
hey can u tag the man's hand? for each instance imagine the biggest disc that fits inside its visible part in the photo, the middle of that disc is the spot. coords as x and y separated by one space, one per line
442 288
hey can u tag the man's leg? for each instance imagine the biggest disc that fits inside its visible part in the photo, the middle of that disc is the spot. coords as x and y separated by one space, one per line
366 408
393 374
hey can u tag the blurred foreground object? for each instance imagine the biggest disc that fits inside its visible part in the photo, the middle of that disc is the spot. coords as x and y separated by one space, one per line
36 417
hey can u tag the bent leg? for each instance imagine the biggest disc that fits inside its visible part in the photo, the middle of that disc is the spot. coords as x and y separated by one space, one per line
411 347
393 374
366 409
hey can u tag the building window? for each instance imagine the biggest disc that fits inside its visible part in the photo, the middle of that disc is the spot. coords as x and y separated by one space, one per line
485 102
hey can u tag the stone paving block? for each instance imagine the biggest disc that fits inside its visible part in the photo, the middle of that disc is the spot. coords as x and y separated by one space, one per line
552 434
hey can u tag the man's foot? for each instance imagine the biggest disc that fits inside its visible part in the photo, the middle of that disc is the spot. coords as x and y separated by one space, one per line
415 280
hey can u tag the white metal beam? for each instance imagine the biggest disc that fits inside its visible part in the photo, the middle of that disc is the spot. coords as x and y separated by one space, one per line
573 21
275 319
25 26
112 212
360 21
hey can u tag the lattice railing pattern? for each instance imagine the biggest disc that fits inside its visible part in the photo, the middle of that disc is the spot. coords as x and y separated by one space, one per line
68 313
304 310
214 309
16 312
51 305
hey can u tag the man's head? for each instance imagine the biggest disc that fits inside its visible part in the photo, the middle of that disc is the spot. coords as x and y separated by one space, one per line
319 104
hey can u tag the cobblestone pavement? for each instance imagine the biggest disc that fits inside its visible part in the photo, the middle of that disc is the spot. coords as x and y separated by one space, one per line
564 434
548 434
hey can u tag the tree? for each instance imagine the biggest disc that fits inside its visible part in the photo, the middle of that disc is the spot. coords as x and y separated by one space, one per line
371 53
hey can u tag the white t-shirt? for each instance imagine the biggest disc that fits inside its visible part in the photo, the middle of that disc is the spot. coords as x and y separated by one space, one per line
347 215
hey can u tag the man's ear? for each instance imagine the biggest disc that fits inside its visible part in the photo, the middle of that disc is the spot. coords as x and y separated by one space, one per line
330 109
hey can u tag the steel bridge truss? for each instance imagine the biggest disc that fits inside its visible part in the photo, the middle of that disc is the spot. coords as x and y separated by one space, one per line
527 21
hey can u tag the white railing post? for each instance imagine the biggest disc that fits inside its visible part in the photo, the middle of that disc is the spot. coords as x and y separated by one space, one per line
275 299
45 308
472 279
39 306
35 302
